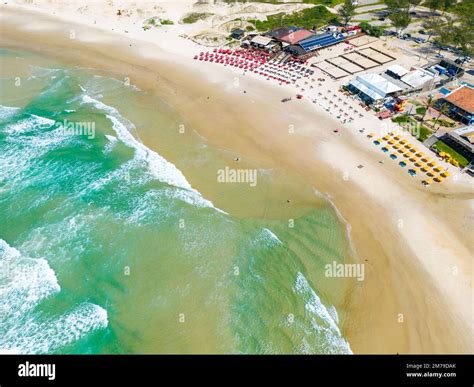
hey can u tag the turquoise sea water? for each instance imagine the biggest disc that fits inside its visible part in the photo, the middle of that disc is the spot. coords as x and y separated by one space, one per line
105 247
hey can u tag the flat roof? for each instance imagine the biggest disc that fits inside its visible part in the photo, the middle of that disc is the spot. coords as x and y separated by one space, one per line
262 40
398 70
462 98
417 78
466 132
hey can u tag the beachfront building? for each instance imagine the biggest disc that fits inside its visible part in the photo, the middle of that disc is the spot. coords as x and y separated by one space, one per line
237 34
460 103
462 141
419 79
373 88
263 43
289 35
308 46
396 71
412 80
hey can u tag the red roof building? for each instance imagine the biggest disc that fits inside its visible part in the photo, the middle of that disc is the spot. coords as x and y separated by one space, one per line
296 36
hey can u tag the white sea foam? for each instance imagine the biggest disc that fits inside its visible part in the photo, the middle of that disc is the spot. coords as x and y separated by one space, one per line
322 319
272 236
24 283
27 124
112 141
7 112
159 167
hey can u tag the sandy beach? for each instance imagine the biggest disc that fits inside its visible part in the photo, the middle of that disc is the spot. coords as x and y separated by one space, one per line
415 242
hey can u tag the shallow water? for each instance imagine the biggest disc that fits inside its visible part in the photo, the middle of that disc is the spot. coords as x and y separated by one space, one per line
108 246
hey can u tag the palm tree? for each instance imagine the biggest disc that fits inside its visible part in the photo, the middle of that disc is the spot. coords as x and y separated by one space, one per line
429 103
443 109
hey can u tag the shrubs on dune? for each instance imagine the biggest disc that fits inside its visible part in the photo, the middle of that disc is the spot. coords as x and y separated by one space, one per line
370 29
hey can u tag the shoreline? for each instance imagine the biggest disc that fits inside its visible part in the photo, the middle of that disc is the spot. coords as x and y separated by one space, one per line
399 270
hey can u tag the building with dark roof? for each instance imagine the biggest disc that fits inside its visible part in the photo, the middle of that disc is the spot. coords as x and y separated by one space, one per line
278 33
462 141
237 33
315 42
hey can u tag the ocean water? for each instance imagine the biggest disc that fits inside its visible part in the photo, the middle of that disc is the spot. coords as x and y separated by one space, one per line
106 246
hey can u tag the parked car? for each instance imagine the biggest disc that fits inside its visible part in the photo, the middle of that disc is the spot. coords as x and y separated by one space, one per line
439 56
420 40
462 60
422 32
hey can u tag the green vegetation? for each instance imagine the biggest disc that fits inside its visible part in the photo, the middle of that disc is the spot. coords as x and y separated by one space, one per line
195 16
155 22
421 110
329 3
421 132
371 30
454 27
442 147
400 20
402 119
309 18
446 123
347 11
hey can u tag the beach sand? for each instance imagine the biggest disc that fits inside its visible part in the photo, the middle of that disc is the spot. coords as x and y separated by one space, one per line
416 243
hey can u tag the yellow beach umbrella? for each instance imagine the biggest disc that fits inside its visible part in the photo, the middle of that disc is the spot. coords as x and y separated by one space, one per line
413 150
430 173
391 142
397 137
438 169
438 179
418 164
396 146
403 141
406 155
426 159
424 169
420 154
400 151
431 164
427 182
370 135
445 174
412 159
386 138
